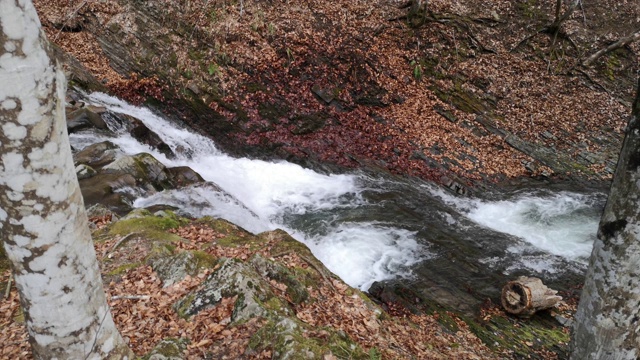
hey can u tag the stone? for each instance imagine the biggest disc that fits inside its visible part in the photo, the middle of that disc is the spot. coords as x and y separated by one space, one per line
184 175
84 118
174 268
96 155
148 171
142 133
84 171
168 349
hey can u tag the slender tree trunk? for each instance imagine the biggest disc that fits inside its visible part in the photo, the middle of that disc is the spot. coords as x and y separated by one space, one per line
42 219
607 323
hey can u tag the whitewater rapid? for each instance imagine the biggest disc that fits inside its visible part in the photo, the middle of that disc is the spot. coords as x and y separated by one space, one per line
318 209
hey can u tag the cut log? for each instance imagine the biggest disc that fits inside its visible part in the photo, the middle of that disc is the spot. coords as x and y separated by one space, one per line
526 295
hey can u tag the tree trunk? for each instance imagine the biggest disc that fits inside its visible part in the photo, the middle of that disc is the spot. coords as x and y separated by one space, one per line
608 318
526 295
42 219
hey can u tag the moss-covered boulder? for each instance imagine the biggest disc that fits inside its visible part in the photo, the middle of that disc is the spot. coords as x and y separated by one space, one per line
174 268
150 174
168 349
232 278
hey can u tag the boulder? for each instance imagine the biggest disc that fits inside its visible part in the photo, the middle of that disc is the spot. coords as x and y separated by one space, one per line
84 171
84 118
142 133
96 155
149 173
184 176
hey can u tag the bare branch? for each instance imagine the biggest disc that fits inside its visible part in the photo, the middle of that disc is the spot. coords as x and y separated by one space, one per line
616 45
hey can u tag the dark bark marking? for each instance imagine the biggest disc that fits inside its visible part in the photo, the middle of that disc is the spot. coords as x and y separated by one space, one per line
609 229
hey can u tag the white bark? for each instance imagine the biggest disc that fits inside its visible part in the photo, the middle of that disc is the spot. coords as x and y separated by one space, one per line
607 323
42 218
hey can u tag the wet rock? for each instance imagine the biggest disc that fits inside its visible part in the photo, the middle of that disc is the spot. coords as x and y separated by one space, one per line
150 174
84 118
115 191
84 171
96 155
184 175
142 133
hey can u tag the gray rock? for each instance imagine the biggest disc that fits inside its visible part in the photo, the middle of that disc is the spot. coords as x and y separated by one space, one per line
168 349
174 268
146 169
84 171
232 278
84 118
96 155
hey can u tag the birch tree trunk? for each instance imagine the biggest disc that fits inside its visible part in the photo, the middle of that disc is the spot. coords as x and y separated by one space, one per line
607 323
42 219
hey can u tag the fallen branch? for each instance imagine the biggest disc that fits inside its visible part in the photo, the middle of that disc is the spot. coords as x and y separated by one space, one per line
8 290
616 45
131 297
115 246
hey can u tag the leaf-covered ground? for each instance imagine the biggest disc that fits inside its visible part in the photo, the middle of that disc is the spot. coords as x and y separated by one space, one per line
453 89
143 309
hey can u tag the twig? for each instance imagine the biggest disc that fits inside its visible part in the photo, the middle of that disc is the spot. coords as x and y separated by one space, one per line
616 45
131 297
69 17
115 246
8 290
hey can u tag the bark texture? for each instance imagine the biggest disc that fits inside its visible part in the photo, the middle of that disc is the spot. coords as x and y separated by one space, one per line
526 295
607 322
42 219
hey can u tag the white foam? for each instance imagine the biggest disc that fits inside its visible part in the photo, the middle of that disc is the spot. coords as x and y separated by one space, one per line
561 223
262 195
363 253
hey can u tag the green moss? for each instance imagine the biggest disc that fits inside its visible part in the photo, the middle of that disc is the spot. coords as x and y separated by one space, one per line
184 305
285 336
150 226
5 264
447 321
204 260
170 348
522 337
123 268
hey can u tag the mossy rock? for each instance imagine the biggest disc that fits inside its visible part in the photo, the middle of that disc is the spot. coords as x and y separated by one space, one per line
142 222
522 337
123 269
168 349
232 278
174 268
288 338
235 236
146 169
296 290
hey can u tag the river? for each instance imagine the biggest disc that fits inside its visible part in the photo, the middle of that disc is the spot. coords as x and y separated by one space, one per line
368 226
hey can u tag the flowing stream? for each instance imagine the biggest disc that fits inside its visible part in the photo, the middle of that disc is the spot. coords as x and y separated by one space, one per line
364 227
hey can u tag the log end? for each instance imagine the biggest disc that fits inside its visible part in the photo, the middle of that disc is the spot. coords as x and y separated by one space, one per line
526 295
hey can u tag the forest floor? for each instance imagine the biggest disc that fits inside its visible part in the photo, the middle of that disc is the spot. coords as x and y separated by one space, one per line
474 91
468 90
